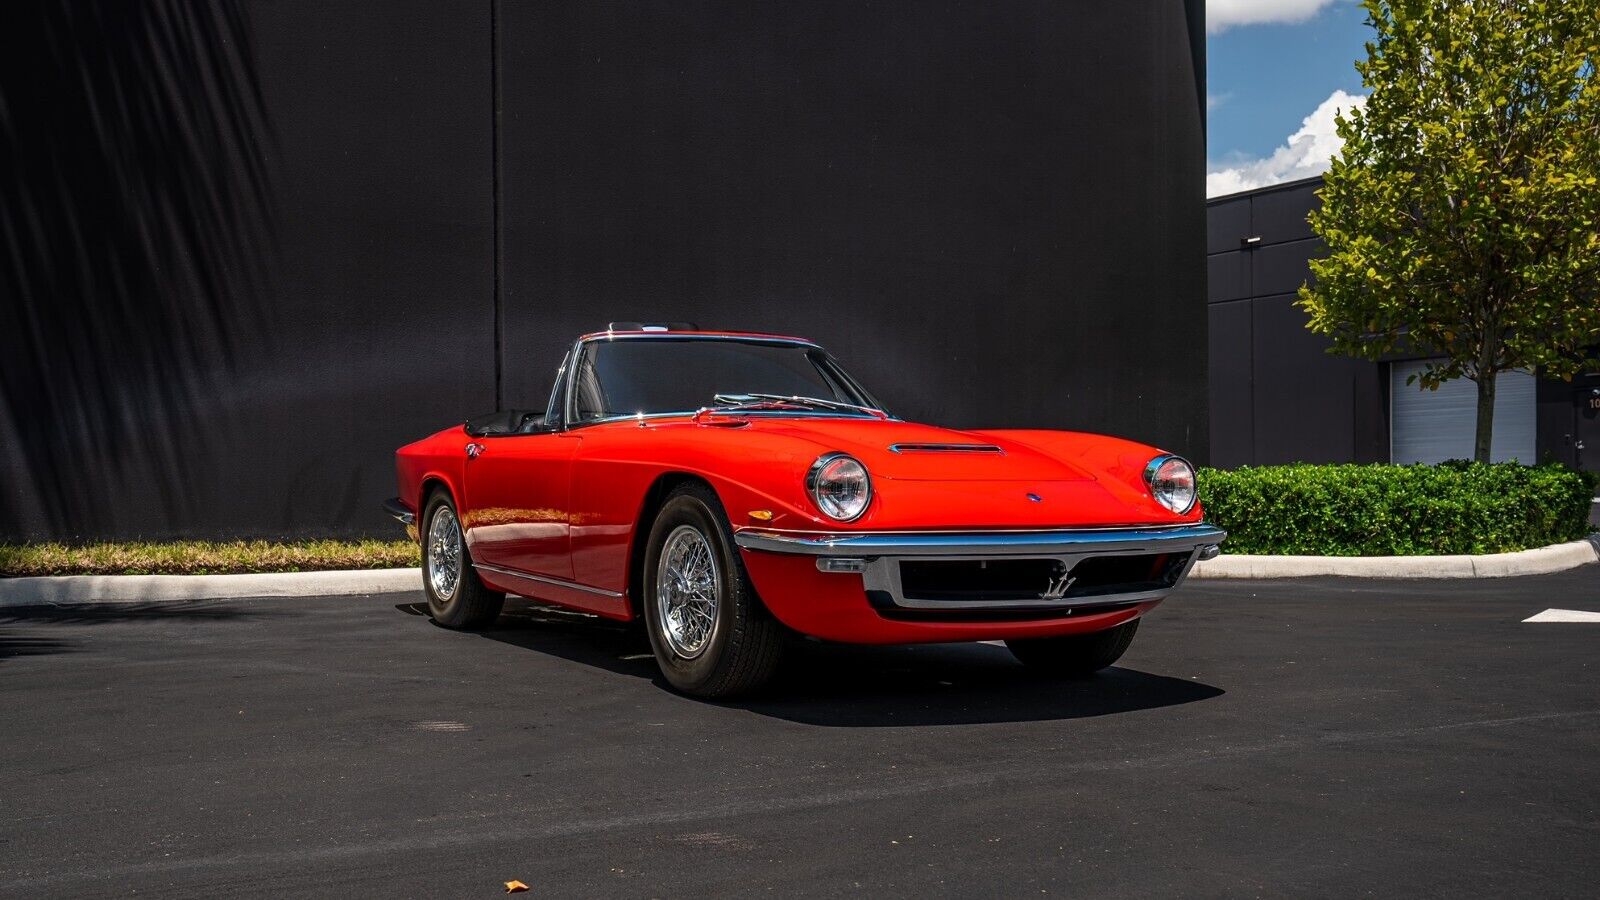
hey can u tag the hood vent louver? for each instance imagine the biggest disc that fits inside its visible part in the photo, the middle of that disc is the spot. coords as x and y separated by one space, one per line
945 448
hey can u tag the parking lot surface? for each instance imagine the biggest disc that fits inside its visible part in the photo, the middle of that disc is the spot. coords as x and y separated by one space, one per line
1313 737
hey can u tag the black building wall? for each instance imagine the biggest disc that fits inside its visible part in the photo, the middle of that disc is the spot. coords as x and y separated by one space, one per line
301 236
1277 396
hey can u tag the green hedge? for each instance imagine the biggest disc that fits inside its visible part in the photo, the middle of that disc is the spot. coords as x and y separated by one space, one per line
1384 510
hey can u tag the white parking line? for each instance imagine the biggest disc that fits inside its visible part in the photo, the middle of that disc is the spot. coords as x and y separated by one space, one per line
1565 615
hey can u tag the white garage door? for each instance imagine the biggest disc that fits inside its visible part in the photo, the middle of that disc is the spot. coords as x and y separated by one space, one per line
1433 426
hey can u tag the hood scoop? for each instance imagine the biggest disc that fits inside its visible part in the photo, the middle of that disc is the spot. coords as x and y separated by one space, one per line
946 448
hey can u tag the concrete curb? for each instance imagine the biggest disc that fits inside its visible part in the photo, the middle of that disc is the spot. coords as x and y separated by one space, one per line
147 588
1539 561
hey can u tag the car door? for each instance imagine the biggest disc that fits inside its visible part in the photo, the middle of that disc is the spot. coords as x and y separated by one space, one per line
519 490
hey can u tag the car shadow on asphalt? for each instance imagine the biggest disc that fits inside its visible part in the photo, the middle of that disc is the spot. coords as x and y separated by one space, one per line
850 686
16 642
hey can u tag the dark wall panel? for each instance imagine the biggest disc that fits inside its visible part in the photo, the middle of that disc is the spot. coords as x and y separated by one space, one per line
235 293
1282 268
992 212
1279 215
1227 223
1228 276
1306 394
1231 385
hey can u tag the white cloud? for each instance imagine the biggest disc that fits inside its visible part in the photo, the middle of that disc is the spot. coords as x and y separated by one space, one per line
1306 153
1224 14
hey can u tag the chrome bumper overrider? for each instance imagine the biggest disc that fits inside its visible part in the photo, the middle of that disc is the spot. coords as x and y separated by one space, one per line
878 557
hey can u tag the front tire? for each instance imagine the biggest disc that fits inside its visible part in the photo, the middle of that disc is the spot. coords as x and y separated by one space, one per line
711 634
1074 655
456 597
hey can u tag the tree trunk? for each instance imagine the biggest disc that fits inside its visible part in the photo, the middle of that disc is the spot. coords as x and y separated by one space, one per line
1480 447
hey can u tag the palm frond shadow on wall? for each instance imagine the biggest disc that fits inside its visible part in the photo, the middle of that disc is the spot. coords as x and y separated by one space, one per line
135 211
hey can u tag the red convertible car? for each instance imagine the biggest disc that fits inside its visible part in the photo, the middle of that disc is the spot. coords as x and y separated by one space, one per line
734 489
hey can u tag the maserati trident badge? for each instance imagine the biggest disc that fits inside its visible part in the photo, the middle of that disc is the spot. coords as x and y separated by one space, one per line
1058 586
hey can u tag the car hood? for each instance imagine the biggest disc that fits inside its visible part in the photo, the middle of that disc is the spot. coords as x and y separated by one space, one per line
907 451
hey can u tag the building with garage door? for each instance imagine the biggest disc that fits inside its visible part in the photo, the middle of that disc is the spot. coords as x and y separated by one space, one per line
1278 396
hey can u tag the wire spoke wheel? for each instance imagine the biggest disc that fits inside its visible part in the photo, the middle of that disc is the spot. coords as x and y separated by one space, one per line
688 590
444 553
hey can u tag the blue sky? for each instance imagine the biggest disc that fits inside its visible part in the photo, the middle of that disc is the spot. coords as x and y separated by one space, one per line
1276 72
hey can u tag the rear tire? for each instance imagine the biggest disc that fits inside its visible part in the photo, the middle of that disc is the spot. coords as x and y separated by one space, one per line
711 634
1074 655
456 597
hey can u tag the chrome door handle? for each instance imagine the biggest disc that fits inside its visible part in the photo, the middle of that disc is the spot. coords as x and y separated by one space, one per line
473 449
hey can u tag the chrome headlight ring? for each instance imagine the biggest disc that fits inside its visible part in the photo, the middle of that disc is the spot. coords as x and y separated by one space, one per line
1171 481
839 486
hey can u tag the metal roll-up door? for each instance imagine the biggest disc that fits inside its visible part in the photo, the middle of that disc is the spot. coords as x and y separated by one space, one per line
1433 426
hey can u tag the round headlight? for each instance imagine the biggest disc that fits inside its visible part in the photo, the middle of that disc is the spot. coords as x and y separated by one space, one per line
1171 481
840 486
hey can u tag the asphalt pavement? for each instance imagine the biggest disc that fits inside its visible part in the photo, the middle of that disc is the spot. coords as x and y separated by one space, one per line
1309 737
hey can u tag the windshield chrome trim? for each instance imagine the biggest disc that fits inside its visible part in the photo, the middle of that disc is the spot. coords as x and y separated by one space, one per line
575 358
696 336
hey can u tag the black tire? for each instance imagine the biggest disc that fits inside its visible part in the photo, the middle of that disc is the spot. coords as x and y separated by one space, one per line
1074 655
744 644
470 603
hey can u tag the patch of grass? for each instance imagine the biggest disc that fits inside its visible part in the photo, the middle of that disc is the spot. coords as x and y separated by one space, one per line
203 557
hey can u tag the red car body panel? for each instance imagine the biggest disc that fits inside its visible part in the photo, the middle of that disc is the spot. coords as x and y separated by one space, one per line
567 507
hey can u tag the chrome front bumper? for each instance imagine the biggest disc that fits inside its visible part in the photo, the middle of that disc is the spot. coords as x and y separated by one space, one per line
878 556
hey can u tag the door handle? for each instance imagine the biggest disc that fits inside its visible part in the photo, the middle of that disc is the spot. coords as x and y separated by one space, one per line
473 449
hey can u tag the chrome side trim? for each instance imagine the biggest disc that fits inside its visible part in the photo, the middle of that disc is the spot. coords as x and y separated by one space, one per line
544 579
983 544
945 448
399 511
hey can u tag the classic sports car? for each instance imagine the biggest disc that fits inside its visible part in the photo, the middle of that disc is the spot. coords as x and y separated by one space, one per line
734 488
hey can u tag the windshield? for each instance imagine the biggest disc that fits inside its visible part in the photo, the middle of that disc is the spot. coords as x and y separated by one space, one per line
681 375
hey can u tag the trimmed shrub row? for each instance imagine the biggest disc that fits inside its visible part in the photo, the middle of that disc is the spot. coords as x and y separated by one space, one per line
1387 510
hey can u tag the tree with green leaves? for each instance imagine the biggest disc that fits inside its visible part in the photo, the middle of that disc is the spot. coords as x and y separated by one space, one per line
1462 216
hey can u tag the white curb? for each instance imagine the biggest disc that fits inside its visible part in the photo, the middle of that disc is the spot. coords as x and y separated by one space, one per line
1539 561
137 588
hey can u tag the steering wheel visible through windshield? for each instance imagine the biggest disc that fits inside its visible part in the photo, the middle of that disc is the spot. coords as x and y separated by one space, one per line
658 375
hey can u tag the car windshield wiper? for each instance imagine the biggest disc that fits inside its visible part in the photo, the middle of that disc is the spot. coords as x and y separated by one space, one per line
779 401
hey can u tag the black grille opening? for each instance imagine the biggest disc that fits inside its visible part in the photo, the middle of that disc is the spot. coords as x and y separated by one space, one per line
977 579
1002 580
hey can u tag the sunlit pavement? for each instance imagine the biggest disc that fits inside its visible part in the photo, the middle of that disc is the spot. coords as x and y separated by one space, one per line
1315 737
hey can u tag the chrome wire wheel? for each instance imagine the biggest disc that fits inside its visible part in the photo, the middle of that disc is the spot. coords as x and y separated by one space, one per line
444 553
688 586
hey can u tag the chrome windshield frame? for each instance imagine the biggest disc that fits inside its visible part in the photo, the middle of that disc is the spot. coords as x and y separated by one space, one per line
574 361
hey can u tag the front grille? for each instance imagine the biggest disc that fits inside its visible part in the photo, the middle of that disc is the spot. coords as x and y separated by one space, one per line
1002 581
